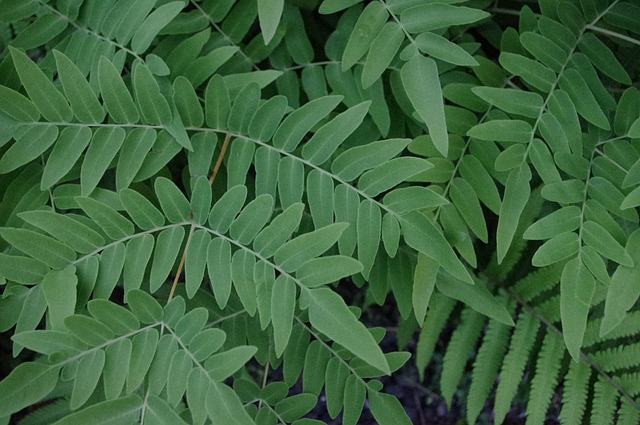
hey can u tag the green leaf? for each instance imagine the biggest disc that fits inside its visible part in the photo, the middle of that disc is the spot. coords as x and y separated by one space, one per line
59 289
168 245
467 203
433 16
586 104
153 24
242 266
368 229
545 50
516 195
22 269
330 315
48 250
422 235
531 71
623 291
153 106
141 210
476 296
354 161
558 248
88 330
17 106
195 261
252 219
112 222
382 52
228 206
104 146
82 98
424 281
369 24
422 85
391 173
439 47
603 58
49 101
28 146
329 137
219 268
224 407
27 384
283 305
290 133
120 411
118 318
576 291
303 248
174 204
49 342
279 230
66 152
566 219
598 238
222 365
387 410
115 94
158 411
269 14
294 407
324 270
502 131
512 101
88 373
354 397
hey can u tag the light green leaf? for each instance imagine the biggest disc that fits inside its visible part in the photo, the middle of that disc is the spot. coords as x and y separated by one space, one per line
168 245
422 235
226 209
476 296
330 315
28 146
603 58
66 152
144 349
369 24
324 270
217 103
279 230
566 219
59 289
48 250
283 305
354 397
320 198
623 291
576 291
104 146
219 268
195 262
512 101
387 410
439 47
433 16
174 204
137 255
49 101
531 71
153 24
144 306
21 269
391 173
382 52
153 106
115 94
329 137
303 248
390 234
118 318
545 50
17 106
290 133
422 85
82 98
598 238
467 203
502 131
354 161
49 342
586 104
222 365
113 412
158 411
558 248
87 375
252 219
224 406
141 210
413 198
111 221
368 229
424 281
187 102
27 384
242 266
269 15
516 195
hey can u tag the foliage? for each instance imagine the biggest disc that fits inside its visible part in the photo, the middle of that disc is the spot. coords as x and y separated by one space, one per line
192 192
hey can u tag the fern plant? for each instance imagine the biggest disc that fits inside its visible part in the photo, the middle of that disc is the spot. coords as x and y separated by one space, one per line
188 187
